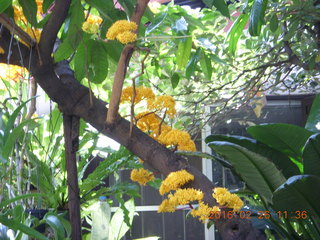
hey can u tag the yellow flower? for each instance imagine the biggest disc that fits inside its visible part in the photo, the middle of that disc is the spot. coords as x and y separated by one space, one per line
122 31
92 24
204 211
142 93
141 175
167 206
175 180
163 102
127 37
178 138
180 197
2 50
225 198
12 72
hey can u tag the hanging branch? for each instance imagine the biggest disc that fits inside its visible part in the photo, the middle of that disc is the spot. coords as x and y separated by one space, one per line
134 89
121 71
71 138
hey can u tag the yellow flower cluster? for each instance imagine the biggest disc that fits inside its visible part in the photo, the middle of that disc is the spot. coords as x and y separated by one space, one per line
142 93
163 102
178 138
180 197
92 24
150 122
175 180
2 50
203 212
225 198
141 175
12 72
122 31
20 19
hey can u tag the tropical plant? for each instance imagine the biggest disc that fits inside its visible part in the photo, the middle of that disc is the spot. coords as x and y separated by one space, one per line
281 166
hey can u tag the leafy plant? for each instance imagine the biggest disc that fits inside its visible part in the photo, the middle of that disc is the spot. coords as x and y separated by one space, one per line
280 165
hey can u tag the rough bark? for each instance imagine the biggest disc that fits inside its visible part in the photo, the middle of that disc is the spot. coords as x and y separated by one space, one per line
71 142
74 99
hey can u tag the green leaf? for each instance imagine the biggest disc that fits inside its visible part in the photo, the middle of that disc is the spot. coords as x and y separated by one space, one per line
236 31
311 155
260 175
221 6
283 162
24 196
100 221
46 4
128 5
175 80
29 10
287 138
114 49
4 5
12 119
314 115
293 28
208 156
55 223
183 52
206 66
80 62
74 32
17 226
98 61
118 227
156 23
274 23
10 141
105 7
191 67
299 193
257 16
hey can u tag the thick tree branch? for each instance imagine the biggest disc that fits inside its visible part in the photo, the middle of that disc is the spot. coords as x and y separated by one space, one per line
51 29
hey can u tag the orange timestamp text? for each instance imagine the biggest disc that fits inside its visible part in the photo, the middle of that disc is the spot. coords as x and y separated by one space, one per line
258 214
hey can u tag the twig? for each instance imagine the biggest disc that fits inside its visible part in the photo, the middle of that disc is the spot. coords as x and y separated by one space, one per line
12 26
134 87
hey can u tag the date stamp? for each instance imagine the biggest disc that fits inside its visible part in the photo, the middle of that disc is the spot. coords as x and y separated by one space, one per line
259 214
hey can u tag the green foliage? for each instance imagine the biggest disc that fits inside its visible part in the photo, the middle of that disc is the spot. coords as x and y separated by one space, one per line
256 161
5 4
313 118
118 225
29 10
257 16
261 175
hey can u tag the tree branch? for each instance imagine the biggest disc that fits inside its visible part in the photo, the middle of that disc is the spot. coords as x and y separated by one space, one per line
123 63
51 29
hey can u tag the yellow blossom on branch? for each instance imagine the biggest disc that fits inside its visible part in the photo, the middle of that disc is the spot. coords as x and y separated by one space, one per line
225 198
141 175
175 180
163 102
142 93
122 30
178 138
180 197
12 72
92 24
203 211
